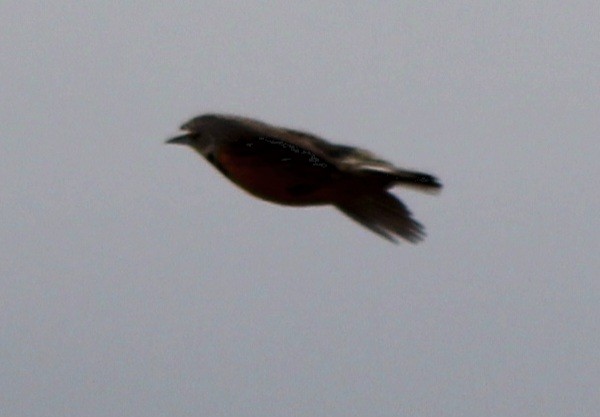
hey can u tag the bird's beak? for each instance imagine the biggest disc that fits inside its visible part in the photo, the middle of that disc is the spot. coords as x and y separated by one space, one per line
179 140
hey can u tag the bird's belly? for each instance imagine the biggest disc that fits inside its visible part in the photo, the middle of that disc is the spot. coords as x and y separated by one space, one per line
277 183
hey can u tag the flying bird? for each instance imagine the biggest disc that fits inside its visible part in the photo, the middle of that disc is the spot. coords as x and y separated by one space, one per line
295 168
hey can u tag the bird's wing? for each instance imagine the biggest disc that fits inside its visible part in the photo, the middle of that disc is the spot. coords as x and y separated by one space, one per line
302 146
345 158
273 148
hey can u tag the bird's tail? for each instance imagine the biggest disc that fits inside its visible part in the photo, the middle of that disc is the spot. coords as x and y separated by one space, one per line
418 180
385 215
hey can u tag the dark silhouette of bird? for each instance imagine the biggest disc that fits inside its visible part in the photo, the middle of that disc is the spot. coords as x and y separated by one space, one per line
291 167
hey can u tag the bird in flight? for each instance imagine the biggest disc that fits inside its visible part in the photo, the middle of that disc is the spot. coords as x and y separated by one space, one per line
295 168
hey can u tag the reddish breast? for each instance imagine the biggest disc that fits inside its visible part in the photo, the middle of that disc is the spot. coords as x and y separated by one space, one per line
277 181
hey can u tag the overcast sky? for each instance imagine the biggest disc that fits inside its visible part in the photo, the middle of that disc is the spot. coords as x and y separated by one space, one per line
136 281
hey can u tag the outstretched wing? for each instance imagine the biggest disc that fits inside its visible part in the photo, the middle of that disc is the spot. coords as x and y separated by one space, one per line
384 214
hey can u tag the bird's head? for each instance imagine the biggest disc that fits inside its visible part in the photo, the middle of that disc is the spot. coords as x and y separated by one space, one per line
199 134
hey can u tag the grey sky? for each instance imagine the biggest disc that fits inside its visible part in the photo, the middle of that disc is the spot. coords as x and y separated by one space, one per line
136 281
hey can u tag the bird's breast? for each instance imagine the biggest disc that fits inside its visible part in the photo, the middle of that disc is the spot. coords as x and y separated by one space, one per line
284 180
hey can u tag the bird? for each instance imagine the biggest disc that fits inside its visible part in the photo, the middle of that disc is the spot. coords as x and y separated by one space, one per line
295 168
